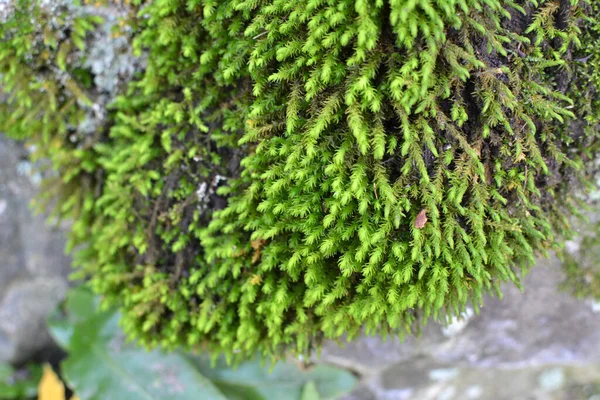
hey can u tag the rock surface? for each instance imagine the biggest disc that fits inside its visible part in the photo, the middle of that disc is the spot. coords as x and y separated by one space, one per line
33 267
540 344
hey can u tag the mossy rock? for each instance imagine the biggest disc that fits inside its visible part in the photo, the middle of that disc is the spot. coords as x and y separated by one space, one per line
283 172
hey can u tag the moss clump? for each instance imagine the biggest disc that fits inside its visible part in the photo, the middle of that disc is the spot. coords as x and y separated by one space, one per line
287 171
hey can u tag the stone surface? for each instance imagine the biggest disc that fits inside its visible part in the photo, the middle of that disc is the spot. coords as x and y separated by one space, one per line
539 344
33 266
23 312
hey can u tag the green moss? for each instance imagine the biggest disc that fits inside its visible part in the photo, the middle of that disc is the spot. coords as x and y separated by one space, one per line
257 187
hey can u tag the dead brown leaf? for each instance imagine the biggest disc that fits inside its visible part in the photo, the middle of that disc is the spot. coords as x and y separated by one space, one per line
421 219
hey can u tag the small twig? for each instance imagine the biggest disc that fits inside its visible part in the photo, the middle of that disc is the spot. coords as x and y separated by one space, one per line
584 59
260 35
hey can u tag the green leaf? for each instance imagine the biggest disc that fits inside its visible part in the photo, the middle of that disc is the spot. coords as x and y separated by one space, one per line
79 307
101 365
310 392
284 381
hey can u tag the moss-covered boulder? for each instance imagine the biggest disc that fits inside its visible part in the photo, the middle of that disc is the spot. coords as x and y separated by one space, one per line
280 172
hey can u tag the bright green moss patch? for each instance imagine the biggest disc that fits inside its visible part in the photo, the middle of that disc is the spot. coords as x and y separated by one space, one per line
281 172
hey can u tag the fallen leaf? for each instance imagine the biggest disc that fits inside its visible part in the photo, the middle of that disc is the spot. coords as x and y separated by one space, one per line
50 386
421 219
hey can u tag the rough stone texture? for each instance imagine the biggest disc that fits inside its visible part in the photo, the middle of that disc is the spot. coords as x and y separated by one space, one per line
33 267
539 344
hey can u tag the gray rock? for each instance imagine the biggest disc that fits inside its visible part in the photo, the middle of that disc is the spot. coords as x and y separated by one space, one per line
33 266
535 344
23 312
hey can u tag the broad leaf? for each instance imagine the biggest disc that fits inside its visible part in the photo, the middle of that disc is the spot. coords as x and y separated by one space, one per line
101 365
81 308
310 392
285 381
